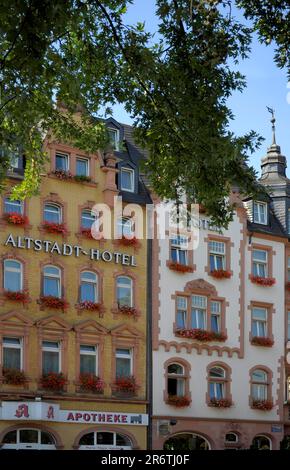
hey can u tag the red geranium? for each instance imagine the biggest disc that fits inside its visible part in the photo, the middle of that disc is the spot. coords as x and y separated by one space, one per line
53 302
15 218
126 384
264 405
126 310
201 335
220 274
182 268
20 296
177 401
52 227
63 175
91 383
129 242
88 305
263 281
14 376
53 381
87 232
220 402
262 341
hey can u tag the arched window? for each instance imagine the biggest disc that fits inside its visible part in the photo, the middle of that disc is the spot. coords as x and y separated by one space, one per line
88 218
13 275
124 291
231 438
217 383
184 442
261 442
125 227
52 213
259 381
28 439
89 287
52 281
13 206
104 440
175 380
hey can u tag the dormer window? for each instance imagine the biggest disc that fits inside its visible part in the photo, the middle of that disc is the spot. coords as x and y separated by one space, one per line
260 213
114 138
127 179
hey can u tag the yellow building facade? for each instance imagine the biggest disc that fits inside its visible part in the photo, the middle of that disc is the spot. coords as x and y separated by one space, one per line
73 313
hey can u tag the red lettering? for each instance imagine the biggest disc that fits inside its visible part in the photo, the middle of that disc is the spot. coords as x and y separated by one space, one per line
70 417
22 411
50 412
87 417
124 418
109 418
117 419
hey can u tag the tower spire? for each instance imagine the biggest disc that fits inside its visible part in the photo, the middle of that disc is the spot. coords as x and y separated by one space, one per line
274 163
273 120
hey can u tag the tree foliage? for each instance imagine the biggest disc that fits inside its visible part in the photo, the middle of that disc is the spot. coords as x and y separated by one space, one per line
176 87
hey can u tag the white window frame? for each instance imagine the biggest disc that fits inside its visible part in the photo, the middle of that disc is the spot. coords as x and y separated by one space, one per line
259 262
87 165
179 377
258 321
47 210
13 270
233 434
180 244
13 346
89 281
216 313
15 203
216 253
113 446
259 385
182 310
132 178
119 284
91 353
197 308
257 213
51 349
116 143
67 161
129 356
84 215
121 221
59 277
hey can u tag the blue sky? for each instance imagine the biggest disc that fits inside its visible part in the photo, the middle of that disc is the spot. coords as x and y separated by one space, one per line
266 86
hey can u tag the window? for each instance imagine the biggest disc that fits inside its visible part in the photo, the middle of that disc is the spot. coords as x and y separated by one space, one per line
61 162
124 362
231 437
124 291
259 381
88 359
217 255
125 227
104 440
28 439
261 443
179 249
82 167
259 322
51 357
88 218
114 138
127 179
14 161
13 206
12 353
175 380
181 318
217 377
215 316
288 325
52 281
52 213
89 287
198 311
260 261
13 275
260 213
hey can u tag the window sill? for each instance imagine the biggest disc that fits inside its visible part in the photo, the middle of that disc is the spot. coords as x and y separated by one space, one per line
69 178
178 401
220 274
200 335
182 268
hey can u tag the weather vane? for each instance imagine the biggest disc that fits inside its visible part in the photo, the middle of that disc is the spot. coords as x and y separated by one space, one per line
273 120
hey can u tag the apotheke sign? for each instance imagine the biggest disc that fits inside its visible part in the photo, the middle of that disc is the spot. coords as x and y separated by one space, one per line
41 411
65 249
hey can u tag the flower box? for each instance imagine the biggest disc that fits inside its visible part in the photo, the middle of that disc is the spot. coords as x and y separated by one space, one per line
220 274
262 341
14 376
63 175
126 310
125 384
82 179
263 281
87 233
182 268
129 242
220 402
91 383
51 227
179 402
264 405
16 219
20 296
53 302
53 381
201 335
88 305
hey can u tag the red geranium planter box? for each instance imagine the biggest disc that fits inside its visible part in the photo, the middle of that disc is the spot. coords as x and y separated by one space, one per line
126 310
87 232
20 296
177 401
264 405
220 274
51 227
220 402
91 383
182 268
14 376
63 175
88 305
129 242
53 302
201 335
16 219
53 381
126 384
262 341
263 281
